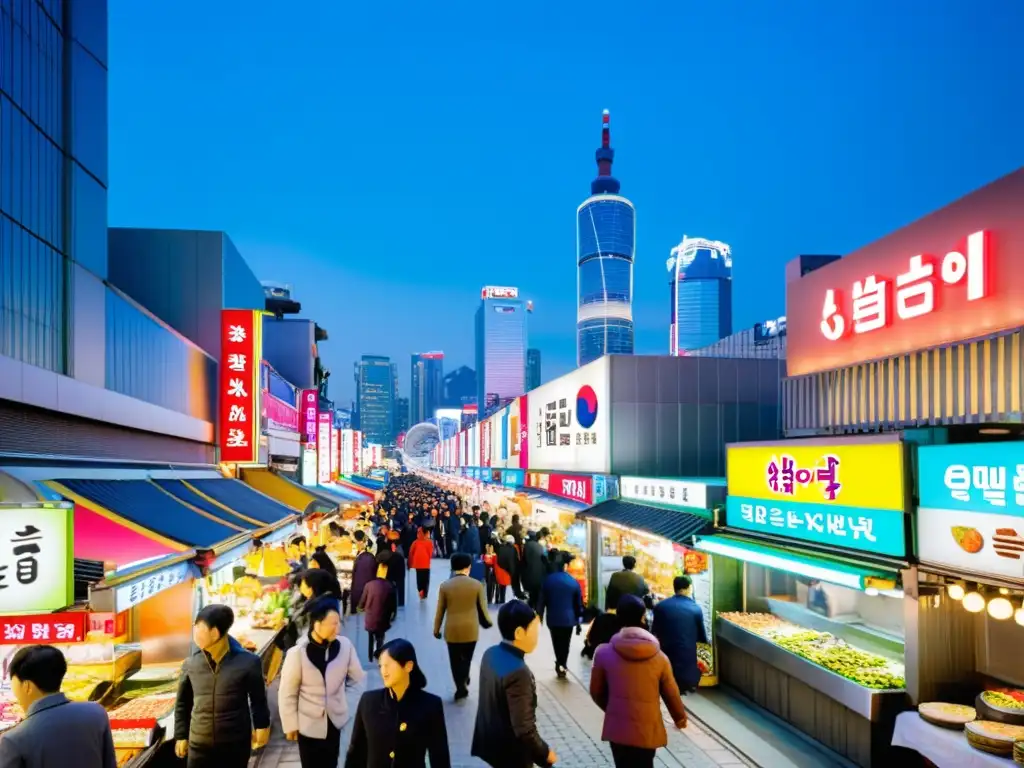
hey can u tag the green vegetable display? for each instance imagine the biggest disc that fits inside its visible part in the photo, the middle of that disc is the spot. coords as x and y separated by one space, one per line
830 652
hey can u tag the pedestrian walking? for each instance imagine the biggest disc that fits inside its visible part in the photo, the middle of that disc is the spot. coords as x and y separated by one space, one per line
562 599
321 560
625 582
679 625
311 696
222 698
470 537
629 680
420 554
380 607
505 734
462 608
55 733
400 725
535 568
490 559
602 630
507 569
454 527
364 570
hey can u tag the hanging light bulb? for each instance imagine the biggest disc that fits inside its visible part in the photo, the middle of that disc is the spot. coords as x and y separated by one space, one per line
1004 591
1019 616
974 602
955 591
1000 608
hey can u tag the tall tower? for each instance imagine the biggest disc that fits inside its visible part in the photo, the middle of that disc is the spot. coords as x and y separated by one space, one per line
700 292
605 244
501 344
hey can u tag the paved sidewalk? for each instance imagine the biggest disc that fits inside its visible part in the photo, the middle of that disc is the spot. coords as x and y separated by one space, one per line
566 716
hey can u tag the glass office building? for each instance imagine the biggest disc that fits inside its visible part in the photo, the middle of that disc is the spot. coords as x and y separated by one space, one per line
426 385
375 382
532 369
700 294
501 343
605 244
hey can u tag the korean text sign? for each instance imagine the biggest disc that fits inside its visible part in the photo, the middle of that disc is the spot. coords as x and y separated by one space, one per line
241 353
847 495
971 514
569 422
309 407
951 276
50 628
36 560
323 447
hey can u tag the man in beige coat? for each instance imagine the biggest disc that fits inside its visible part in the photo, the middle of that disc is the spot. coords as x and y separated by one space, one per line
462 607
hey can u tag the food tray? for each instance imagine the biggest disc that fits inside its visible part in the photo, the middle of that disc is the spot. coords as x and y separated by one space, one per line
996 713
933 712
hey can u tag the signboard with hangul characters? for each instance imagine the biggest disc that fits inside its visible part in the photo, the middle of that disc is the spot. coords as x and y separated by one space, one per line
308 411
569 421
676 493
845 494
971 513
136 591
47 628
36 560
240 386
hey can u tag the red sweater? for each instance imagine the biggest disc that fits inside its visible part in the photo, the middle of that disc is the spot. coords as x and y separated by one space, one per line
420 554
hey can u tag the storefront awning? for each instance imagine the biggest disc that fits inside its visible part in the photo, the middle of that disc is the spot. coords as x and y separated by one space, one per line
235 494
142 506
543 496
670 524
339 493
844 572
180 490
367 482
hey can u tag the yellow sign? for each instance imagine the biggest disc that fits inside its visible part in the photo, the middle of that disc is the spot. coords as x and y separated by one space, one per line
867 476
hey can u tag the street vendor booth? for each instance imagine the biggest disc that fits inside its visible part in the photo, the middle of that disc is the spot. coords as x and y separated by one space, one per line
966 610
815 538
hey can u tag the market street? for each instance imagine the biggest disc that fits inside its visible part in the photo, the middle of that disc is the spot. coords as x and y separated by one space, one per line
566 716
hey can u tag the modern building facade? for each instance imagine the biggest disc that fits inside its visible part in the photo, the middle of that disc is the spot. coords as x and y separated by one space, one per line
426 385
700 294
501 343
402 415
85 370
375 383
605 246
765 340
532 369
459 388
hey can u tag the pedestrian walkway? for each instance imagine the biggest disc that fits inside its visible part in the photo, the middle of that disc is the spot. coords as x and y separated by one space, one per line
566 717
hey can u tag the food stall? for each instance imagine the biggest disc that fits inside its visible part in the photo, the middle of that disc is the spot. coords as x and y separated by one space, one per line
816 532
965 609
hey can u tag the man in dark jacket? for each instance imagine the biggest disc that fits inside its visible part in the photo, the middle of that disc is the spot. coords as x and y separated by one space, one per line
451 522
679 626
470 541
625 582
505 735
222 697
535 568
562 598
508 560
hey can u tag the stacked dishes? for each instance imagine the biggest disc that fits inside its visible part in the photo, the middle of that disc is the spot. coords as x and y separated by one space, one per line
1018 752
994 738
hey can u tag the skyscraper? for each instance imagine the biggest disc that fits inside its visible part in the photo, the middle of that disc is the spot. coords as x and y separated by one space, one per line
605 243
427 383
401 415
375 382
501 335
700 289
532 369
459 388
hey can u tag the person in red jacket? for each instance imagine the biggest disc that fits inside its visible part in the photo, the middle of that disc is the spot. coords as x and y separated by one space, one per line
420 553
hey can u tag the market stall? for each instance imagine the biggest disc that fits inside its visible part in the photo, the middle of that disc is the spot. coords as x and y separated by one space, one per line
965 608
816 532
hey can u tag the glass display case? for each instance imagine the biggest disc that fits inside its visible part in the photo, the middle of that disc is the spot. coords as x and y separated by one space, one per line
656 559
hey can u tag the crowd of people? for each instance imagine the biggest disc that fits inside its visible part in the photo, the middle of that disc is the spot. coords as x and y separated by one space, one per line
222 711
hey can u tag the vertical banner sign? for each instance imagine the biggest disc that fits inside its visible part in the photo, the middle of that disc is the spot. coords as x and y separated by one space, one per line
357 451
335 453
308 409
323 447
524 432
239 392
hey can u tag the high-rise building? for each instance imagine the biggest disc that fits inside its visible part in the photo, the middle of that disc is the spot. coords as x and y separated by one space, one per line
700 290
532 369
427 385
402 415
459 388
605 244
375 382
501 342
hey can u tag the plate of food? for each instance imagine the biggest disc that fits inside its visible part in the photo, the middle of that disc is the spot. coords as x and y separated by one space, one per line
992 737
944 715
1004 705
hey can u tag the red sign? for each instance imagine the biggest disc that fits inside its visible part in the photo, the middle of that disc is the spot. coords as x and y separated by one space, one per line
240 353
357 451
573 487
112 625
48 628
953 275
308 409
499 292
280 415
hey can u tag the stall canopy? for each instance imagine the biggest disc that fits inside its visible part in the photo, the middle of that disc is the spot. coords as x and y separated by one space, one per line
142 506
275 486
367 482
235 494
364 493
670 524
180 490
834 570
342 494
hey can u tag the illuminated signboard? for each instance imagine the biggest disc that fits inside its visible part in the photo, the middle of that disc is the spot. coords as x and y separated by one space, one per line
36 559
951 276
323 447
239 380
499 292
308 424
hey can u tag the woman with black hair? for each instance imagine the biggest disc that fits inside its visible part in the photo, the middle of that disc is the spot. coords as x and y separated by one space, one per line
400 725
312 584
321 560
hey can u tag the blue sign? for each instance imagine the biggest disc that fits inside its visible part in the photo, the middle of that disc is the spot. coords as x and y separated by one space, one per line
986 477
877 531
600 489
513 478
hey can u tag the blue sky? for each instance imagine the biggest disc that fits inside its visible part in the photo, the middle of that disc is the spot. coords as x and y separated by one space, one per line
389 159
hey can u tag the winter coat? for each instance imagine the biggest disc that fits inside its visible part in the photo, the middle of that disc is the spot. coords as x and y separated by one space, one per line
624 583
364 570
420 553
562 598
470 541
679 626
462 608
379 604
306 698
387 733
629 680
534 565
508 559
453 525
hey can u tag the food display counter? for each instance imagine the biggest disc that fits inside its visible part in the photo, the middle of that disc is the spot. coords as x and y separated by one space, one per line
657 560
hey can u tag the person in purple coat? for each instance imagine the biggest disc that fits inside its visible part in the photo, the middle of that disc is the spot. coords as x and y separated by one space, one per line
364 569
380 606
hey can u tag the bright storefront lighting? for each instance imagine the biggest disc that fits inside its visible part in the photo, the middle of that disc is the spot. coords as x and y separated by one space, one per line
1000 608
974 602
1019 616
820 572
955 591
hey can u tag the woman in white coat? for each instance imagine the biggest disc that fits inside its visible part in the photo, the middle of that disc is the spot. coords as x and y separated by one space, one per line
311 697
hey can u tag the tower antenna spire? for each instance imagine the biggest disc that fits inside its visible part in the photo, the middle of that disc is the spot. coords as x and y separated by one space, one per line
605 183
